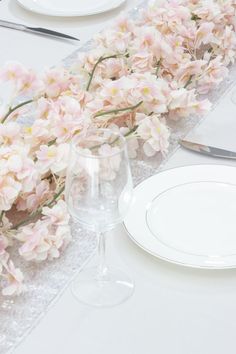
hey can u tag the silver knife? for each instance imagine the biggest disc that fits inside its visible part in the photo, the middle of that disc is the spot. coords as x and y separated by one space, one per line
37 30
208 150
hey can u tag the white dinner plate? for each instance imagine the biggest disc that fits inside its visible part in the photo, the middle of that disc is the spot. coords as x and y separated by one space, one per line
70 7
187 216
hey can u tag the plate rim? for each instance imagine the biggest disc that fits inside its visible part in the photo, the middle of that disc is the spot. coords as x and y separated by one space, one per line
40 11
167 259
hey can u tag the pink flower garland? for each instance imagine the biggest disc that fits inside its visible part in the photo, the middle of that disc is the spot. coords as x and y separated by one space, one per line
142 73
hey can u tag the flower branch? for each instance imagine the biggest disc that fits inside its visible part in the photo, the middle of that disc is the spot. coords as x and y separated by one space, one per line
116 111
39 211
100 60
13 109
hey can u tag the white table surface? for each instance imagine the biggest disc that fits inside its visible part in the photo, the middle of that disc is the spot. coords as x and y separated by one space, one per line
174 310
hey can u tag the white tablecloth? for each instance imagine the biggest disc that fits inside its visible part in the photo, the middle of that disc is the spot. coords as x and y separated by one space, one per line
174 310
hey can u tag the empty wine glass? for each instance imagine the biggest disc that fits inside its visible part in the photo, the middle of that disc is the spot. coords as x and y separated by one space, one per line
98 193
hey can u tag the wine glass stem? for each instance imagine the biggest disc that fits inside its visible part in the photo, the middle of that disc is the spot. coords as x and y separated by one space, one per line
102 268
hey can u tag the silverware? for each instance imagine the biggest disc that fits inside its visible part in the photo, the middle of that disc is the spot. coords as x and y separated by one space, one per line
208 150
37 30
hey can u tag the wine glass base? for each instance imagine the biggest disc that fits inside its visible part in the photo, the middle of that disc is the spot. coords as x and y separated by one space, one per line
110 289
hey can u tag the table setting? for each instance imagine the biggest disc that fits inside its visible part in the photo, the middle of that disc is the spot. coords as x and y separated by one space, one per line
117 176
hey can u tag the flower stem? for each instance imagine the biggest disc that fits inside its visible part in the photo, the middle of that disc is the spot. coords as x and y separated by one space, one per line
101 59
39 211
195 17
158 67
14 109
131 131
50 143
189 81
1 215
115 111
61 190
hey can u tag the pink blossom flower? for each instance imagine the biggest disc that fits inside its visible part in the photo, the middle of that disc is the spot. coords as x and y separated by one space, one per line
86 62
113 68
43 240
29 83
204 34
55 81
60 240
9 132
9 191
54 158
38 133
23 167
150 39
113 92
95 105
152 91
34 238
188 71
142 61
146 37
43 108
14 280
58 214
212 76
25 81
227 45
155 134
117 40
227 8
81 96
208 11
183 103
12 71
67 118
124 23
179 56
31 201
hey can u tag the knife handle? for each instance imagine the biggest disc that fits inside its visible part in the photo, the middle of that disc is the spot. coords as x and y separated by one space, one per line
8 24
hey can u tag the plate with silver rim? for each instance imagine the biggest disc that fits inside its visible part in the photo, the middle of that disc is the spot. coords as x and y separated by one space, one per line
187 216
70 8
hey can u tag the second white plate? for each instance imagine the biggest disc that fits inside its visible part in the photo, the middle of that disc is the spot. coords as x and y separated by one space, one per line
187 216
70 7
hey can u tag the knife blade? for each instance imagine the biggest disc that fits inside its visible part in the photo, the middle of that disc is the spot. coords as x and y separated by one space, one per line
208 150
37 30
